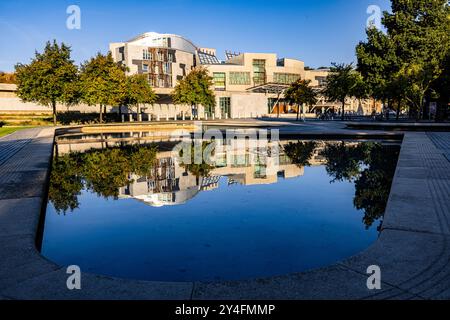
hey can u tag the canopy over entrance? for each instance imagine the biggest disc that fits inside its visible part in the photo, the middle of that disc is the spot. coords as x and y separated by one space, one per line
271 87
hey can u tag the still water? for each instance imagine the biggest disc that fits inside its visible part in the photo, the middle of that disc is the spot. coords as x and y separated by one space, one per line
139 212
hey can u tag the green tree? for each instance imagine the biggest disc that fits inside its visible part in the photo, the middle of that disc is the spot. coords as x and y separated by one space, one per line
409 57
103 82
49 78
138 91
195 89
301 93
377 63
342 82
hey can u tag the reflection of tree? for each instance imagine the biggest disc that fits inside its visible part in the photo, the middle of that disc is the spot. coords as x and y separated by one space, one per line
101 171
371 166
374 185
65 183
300 153
198 170
344 160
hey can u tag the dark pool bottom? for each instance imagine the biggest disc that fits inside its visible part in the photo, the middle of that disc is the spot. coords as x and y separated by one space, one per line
232 232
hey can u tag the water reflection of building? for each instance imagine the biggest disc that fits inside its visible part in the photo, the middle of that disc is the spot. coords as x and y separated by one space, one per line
172 184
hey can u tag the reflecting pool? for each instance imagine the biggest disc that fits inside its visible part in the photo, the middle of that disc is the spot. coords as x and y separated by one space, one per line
140 211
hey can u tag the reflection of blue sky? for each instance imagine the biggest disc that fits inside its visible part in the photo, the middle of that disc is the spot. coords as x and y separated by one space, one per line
231 232
317 32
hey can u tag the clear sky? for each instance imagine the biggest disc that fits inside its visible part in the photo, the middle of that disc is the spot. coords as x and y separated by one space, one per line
316 31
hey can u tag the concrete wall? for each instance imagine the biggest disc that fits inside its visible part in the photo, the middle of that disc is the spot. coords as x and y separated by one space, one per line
248 105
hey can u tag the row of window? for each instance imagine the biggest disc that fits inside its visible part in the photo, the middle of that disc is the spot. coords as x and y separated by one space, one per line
157 56
166 68
285 78
243 78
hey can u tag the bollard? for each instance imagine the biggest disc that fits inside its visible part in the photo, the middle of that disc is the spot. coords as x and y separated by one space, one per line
183 117
191 117
214 116
123 118
130 117
158 118
167 117
206 116
149 117
139 117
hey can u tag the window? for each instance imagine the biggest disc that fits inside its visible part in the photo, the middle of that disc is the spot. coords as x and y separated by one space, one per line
145 67
170 57
240 78
259 71
146 54
285 78
219 81
225 107
167 66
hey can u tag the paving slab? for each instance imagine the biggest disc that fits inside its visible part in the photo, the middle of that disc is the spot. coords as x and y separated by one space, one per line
52 286
18 216
335 282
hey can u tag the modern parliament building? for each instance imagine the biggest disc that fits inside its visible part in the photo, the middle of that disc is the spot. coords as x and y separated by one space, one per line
245 84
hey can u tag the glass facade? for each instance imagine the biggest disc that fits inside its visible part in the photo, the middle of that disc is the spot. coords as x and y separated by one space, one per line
219 79
285 78
240 78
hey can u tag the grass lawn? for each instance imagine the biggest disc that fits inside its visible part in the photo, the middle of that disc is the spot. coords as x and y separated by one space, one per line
7 130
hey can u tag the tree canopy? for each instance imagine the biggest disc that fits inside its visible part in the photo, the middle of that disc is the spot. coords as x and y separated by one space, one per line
138 91
406 61
343 82
103 82
300 92
49 79
195 89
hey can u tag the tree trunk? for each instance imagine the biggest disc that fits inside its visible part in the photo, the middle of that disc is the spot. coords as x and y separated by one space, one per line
343 110
54 112
101 114
138 111
298 111
399 104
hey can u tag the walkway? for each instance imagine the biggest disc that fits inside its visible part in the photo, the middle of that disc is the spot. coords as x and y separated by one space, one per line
413 250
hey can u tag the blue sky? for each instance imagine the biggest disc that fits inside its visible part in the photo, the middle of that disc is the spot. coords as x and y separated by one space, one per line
316 31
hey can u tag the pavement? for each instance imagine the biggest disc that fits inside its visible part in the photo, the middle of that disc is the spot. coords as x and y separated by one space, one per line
413 249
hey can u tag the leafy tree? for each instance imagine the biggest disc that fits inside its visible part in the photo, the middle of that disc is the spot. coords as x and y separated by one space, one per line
343 82
409 57
49 78
138 91
378 63
195 89
103 82
301 93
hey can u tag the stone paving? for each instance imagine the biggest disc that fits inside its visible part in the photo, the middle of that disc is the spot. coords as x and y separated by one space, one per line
413 250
